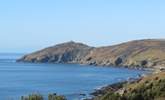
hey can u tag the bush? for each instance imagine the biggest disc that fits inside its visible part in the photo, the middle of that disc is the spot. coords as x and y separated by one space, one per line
55 97
111 96
40 97
149 90
32 97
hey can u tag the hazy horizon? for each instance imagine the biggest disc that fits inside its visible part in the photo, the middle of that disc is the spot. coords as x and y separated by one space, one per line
30 25
4 53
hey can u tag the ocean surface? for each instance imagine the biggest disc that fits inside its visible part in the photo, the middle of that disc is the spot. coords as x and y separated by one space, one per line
71 80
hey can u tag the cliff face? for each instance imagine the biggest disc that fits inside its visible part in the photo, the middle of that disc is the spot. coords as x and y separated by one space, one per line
69 52
140 53
146 53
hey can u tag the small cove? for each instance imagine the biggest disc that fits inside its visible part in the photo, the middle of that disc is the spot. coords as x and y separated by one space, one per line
71 80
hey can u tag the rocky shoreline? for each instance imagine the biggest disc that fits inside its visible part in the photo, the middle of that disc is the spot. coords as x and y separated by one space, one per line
119 88
139 54
113 87
132 89
99 92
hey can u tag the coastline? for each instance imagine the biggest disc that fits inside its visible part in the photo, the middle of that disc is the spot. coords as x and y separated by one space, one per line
105 87
118 86
121 88
113 86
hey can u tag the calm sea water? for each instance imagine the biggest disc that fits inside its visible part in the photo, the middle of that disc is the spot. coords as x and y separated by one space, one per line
17 79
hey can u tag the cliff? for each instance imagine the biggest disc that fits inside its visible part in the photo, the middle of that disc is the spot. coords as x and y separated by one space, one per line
69 52
138 53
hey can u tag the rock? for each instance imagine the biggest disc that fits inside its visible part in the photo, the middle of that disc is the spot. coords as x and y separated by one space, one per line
118 61
82 94
63 53
133 54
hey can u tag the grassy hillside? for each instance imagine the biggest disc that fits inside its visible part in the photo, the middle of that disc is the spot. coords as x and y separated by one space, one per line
148 88
139 54
69 52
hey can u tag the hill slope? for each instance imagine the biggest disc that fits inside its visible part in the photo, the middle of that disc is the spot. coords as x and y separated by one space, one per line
150 87
139 53
69 52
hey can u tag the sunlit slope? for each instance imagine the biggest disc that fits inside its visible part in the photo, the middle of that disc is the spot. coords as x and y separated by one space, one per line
148 88
139 53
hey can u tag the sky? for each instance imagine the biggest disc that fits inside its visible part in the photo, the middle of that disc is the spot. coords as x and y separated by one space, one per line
29 25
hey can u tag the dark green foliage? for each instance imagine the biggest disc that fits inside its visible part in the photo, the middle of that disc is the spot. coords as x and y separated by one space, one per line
135 96
55 97
40 97
32 97
111 96
147 91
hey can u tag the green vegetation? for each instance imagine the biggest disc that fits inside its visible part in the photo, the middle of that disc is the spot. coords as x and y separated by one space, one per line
55 97
148 88
148 91
40 97
32 97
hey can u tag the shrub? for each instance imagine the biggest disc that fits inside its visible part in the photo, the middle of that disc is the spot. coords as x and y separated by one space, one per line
55 97
32 97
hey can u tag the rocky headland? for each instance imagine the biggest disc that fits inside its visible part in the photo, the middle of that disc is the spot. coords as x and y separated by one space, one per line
148 53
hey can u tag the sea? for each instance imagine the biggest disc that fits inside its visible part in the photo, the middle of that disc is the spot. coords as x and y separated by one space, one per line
74 81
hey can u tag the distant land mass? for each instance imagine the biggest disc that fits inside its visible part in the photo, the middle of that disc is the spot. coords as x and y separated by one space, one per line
147 53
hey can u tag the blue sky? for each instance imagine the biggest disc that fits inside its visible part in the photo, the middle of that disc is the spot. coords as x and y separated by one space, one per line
29 25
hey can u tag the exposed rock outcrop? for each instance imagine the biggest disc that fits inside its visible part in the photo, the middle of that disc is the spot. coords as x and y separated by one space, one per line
69 52
139 53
